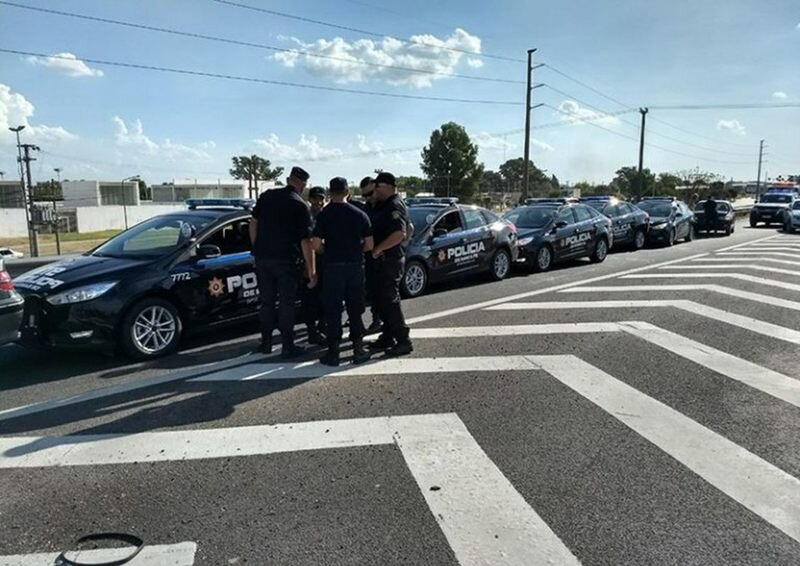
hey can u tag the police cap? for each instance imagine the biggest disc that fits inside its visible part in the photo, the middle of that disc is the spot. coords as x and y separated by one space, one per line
316 192
338 185
299 173
385 178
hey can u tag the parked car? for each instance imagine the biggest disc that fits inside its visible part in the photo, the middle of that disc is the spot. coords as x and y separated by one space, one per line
670 220
8 253
451 240
11 308
726 218
629 223
791 218
771 206
551 232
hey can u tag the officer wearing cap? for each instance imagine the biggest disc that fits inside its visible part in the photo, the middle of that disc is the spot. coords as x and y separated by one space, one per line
311 299
342 234
367 186
390 227
280 232
316 198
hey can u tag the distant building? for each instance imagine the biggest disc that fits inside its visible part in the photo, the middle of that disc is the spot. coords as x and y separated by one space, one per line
99 193
179 192
11 195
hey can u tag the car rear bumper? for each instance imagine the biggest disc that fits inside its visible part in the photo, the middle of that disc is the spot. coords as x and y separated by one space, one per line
10 321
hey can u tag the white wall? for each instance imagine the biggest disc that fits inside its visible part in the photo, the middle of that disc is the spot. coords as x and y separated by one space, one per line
95 218
12 223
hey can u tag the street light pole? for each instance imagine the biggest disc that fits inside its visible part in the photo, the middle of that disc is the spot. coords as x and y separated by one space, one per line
125 200
25 200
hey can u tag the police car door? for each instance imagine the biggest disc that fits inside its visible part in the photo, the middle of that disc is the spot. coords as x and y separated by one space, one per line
448 245
566 238
480 239
222 287
622 219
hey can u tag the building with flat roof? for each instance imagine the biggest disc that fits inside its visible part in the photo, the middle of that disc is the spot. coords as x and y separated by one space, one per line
11 195
99 193
179 192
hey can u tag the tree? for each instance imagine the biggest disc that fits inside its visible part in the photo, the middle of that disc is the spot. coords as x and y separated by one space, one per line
539 184
48 190
666 184
145 192
626 182
450 161
411 184
253 169
492 182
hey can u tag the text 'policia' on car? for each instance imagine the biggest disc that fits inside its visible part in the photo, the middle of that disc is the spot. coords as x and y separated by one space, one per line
554 230
451 240
144 287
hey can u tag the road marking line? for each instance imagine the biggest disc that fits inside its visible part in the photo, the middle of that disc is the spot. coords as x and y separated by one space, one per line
746 322
487 331
761 253
748 260
764 489
181 554
721 289
745 244
793 251
735 266
482 515
738 276
312 370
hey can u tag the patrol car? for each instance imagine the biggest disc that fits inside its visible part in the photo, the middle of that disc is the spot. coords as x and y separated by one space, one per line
551 232
451 240
629 223
726 218
772 205
670 220
144 288
791 218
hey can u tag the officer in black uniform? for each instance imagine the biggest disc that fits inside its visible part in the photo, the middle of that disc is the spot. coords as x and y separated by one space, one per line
711 214
390 227
311 299
367 186
280 231
342 234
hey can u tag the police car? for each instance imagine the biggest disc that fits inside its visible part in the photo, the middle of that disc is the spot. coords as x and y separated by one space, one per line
670 220
144 288
629 223
560 230
791 218
451 240
772 205
726 218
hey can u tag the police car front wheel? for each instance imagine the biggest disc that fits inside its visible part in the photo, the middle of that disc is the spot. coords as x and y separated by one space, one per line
544 259
150 329
600 251
501 264
415 279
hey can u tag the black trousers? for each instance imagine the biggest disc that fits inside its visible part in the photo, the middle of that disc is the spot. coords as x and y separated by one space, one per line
277 280
344 284
311 300
386 295
369 273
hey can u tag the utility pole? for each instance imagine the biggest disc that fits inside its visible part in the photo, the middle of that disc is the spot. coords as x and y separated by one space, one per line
758 177
56 219
640 176
21 171
528 108
2 175
26 149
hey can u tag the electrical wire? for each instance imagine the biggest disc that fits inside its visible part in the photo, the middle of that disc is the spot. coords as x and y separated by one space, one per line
207 74
241 43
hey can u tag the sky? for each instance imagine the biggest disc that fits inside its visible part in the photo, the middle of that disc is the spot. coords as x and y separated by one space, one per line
603 61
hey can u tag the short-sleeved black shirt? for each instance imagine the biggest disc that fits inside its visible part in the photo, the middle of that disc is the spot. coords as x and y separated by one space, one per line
388 217
284 220
343 227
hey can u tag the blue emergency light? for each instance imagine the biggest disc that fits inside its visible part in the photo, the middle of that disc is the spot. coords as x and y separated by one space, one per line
245 203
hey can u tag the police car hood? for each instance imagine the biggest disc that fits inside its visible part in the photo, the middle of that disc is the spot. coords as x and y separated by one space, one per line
74 272
531 232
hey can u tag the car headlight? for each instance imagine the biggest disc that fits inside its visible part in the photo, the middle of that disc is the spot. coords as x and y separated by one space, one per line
81 294
658 226
525 241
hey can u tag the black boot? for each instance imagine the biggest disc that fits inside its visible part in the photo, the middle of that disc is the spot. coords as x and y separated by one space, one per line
314 337
384 342
360 354
402 348
331 357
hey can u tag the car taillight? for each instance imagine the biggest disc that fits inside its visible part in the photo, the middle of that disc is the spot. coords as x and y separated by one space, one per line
5 281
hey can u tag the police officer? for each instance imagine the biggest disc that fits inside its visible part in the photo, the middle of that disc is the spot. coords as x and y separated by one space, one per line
711 214
311 299
342 234
367 186
390 227
280 231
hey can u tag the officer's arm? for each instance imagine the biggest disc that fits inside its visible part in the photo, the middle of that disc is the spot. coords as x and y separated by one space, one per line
368 244
253 229
317 246
395 239
308 256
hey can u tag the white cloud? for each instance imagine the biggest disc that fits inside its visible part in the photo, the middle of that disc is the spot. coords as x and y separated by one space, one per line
308 147
780 95
366 147
732 126
66 63
574 113
491 142
16 110
131 136
423 53
474 62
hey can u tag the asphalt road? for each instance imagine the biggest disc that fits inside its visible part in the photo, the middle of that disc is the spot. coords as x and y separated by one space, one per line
641 411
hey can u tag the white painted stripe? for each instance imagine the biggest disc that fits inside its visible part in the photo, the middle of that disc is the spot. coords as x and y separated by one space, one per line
761 253
737 276
181 554
738 293
504 330
485 520
392 366
745 322
764 489
750 243
731 258
734 266
792 251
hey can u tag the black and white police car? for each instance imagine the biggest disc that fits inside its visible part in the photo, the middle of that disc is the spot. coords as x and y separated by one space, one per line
555 230
629 223
451 240
772 206
670 220
145 287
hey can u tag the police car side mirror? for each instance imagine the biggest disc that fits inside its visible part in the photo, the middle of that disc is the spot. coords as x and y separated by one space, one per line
208 251
560 224
678 214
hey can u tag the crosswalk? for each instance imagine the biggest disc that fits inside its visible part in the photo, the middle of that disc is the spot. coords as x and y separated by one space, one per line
682 310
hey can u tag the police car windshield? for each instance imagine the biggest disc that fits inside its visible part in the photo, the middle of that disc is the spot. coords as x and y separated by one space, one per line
656 208
531 216
777 198
154 238
422 216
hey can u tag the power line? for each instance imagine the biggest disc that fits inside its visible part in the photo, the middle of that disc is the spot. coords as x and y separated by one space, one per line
264 81
730 106
363 31
240 43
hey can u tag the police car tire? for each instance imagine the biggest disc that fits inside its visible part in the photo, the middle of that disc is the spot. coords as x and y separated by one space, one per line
598 257
639 239
753 223
492 269
126 335
404 290
535 266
